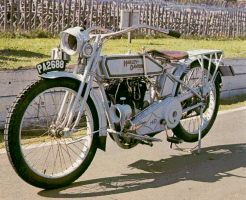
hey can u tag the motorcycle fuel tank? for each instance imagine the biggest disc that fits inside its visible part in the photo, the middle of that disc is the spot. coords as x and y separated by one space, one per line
125 66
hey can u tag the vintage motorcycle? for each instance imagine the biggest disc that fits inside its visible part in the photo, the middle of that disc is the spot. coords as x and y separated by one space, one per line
57 123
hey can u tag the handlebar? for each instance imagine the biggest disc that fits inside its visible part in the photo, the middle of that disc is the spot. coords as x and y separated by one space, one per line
174 34
99 28
114 34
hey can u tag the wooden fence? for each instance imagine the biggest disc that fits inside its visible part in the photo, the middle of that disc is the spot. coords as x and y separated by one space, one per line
57 15
218 3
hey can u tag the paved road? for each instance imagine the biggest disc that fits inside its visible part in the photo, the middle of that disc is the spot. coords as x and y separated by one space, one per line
219 172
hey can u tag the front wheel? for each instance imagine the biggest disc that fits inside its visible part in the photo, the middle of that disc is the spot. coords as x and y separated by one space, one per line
36 148
188 128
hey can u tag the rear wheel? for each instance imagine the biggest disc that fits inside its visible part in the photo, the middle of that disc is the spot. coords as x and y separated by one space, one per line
35 144
188 128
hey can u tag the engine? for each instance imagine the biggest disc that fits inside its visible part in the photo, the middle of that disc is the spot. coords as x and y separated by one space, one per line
128 91
127 99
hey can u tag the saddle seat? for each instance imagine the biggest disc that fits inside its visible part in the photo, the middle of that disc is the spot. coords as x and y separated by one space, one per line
170 55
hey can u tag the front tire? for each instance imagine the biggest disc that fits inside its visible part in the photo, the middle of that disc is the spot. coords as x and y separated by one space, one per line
39 154
188 128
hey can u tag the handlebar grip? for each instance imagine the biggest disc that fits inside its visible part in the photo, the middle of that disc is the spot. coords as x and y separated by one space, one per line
174 33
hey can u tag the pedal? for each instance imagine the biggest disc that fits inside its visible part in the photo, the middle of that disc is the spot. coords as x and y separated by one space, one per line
175 140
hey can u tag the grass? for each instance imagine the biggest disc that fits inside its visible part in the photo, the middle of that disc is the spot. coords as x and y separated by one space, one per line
24 52
232 48
2 145
233 102
27 52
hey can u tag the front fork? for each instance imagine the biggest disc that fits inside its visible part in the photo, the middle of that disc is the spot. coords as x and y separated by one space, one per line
68 127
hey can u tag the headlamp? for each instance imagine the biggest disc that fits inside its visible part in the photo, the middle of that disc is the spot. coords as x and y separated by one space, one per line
73 40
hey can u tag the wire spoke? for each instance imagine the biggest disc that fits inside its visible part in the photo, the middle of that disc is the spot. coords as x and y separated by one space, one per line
191 120
44 149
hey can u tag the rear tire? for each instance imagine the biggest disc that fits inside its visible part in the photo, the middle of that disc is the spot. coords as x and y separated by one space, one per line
41 156
188 128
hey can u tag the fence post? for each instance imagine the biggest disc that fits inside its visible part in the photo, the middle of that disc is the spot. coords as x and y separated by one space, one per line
150 16
162 17
53 17
63 15
105 16
118 18
30 16
69 13
74 12
12 16
237 23
97 13
59 16
158 16
88 15
79 23
109 15
35 15
47 15
5 15
147 17
18 15
130 24
114 24
42 13
84 10
25 16
153 15
101 22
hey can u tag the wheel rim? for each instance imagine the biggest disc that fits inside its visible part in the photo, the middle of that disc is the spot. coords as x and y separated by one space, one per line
190 121
47 154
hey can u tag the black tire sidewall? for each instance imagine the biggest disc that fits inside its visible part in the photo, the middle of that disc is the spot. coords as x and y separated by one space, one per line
179 131
14 151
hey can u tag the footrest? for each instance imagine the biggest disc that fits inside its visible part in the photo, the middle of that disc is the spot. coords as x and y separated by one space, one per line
175 140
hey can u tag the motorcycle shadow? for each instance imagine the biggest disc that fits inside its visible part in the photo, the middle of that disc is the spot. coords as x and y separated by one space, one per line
211 165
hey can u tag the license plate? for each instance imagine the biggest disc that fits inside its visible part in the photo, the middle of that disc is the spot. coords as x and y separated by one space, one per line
51 65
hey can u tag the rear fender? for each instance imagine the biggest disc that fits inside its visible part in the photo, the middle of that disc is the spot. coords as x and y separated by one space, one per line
183 68
193 60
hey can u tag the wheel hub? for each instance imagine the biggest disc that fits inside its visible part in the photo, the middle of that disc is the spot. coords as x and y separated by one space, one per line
55 132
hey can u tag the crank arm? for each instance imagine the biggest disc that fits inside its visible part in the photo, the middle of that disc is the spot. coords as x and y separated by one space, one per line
142 137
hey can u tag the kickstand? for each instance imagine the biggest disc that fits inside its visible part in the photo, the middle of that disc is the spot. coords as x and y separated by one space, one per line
200 130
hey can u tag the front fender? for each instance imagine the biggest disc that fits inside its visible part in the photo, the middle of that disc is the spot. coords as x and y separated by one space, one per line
53 75
96 100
